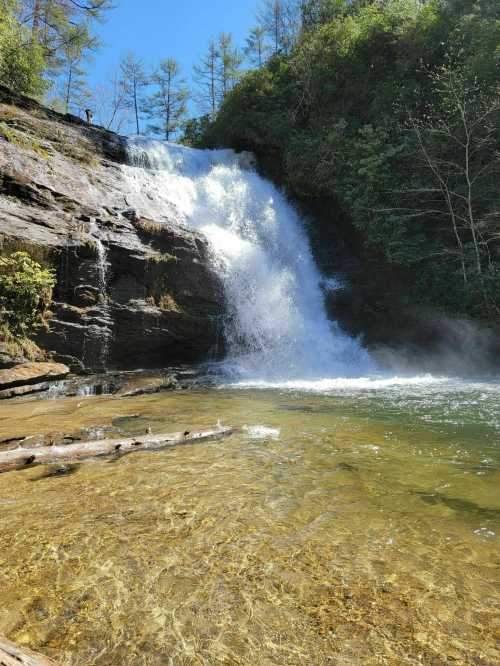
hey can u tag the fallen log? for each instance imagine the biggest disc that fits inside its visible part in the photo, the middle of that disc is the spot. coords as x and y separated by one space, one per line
13 655
52 455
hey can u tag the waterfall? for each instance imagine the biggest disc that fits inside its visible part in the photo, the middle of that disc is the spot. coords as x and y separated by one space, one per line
276 326
102 265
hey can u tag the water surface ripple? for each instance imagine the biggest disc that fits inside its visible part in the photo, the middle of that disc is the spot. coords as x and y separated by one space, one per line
353 527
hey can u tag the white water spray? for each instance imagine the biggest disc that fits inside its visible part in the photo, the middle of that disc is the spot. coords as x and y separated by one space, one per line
276 327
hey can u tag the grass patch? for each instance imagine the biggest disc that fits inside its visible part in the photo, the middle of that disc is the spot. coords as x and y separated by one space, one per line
168 303
149 227
41 254
19 347
162 258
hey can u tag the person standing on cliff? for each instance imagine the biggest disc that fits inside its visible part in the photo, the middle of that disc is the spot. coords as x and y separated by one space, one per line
90 116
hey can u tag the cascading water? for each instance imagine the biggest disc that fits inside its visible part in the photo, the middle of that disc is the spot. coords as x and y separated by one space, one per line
102 266
276 326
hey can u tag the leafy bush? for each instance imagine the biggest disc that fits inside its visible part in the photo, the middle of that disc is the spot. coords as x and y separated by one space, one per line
25 293
22 62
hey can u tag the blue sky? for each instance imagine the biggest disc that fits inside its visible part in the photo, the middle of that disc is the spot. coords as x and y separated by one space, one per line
157 29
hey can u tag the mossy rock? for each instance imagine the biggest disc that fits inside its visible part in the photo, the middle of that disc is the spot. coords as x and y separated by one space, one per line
88 249
24 141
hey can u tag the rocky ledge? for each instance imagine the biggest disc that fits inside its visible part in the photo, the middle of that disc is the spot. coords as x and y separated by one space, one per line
132 292
29 378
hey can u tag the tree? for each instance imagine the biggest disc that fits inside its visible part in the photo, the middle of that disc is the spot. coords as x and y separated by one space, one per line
108 101
318 12
25 293
168 104
76 93
257 48
22 62
194 132
229 61
280 19
60 29
133 81
58 24
205 76
52 19
457 138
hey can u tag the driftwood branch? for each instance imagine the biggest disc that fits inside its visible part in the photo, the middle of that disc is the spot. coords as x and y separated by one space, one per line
70 453
13 655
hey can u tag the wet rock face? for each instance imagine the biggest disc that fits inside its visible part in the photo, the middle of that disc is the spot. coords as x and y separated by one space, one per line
131 293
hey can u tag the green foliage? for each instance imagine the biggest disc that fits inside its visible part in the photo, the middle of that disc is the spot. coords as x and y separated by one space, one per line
25 293
17 347
22 61
390 109
167 106
194 132
43 44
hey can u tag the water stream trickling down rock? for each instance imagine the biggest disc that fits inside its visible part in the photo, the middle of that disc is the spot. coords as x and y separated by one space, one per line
102 265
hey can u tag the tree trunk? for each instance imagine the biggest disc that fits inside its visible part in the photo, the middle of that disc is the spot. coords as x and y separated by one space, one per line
48 455
68 88
169 105
13 655
37 17
136 108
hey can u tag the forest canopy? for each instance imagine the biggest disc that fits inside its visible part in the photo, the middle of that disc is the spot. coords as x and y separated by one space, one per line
387 112
384 113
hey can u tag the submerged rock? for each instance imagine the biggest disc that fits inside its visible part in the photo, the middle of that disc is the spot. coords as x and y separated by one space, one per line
131 293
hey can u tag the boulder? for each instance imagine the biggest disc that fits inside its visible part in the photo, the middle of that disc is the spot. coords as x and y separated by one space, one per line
27 374
21 391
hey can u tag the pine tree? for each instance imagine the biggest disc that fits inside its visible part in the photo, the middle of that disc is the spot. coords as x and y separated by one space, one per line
257 48
133 81
76 92
228 63
22 61
56 24
205 76
168 104
281 20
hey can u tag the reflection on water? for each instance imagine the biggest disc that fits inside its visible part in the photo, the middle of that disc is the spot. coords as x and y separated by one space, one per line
354 528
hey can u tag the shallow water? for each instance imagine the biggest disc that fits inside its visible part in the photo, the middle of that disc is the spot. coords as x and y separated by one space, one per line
358 526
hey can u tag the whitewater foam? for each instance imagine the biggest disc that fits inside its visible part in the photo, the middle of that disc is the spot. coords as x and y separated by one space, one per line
277 332
331 384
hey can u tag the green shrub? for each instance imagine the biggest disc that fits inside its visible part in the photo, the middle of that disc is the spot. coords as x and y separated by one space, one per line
22 62
25 293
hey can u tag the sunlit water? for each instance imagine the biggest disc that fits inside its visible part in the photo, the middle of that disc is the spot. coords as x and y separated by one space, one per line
353 519
276 326
356 526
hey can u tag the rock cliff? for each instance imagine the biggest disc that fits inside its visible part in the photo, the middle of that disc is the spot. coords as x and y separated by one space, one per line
131 292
